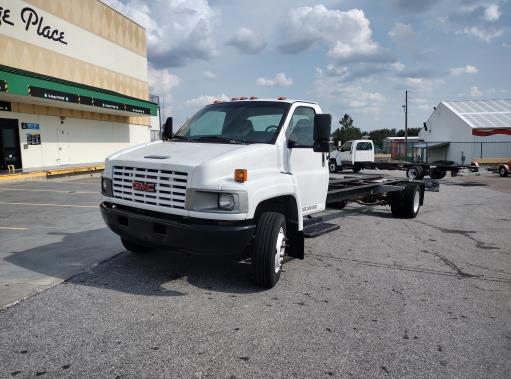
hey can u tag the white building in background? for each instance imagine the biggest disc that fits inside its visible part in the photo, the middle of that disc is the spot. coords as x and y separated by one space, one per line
75 92
462 131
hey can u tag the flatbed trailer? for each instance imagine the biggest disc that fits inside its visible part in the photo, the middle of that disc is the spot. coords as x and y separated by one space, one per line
404 196
416 170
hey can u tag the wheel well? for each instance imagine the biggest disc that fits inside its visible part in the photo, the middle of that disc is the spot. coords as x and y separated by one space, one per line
283 204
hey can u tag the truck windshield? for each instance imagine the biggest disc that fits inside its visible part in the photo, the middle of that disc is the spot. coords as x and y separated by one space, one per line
237 122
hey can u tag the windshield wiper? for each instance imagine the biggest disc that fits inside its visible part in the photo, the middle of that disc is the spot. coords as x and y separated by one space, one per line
175 136
223 139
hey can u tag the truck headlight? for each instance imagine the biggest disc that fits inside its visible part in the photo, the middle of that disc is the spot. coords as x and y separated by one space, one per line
217 201
226 201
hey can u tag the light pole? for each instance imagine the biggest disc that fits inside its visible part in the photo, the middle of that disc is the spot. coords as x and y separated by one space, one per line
405 108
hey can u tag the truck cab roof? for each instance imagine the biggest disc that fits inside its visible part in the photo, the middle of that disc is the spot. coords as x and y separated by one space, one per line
278 100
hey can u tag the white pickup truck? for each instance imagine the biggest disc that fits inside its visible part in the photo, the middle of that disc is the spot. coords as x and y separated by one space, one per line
239 178
352 155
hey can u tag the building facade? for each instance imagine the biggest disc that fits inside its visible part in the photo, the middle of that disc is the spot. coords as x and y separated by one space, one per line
73 83
464 131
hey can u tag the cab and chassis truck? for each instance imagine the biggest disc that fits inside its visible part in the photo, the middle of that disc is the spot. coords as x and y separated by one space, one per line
242 178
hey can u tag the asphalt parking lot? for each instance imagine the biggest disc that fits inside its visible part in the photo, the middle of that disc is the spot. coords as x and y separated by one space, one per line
429 297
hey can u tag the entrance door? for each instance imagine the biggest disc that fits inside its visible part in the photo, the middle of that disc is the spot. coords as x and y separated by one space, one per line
63 145
306 165
10 153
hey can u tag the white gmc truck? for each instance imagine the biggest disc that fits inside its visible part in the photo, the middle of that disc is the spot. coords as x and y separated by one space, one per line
240 178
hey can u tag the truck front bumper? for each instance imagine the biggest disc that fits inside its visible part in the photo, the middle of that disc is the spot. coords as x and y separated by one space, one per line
193 235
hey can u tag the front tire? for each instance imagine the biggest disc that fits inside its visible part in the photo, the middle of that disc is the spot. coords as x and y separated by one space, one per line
332 166
415 173
269 249
503 172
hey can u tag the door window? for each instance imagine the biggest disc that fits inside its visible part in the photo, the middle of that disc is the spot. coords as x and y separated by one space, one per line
346 147
302 127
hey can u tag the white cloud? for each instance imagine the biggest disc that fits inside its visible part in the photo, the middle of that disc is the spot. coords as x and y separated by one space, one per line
492 13
347 33
398 66
209 75
201 101
162 81
483 34
177 31
247 41
423 84
350 97
279 80
403 35
475 92
468 69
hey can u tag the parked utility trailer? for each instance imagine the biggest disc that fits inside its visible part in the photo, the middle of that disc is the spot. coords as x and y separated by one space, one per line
240 178
359 154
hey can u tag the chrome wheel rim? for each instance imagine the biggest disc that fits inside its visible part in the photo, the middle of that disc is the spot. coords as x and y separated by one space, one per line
280 250
332 167
412 173
416 200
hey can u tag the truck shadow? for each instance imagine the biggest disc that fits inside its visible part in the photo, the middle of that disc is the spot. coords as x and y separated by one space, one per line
75 259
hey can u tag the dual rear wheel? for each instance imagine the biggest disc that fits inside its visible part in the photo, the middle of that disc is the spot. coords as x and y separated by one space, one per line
406 203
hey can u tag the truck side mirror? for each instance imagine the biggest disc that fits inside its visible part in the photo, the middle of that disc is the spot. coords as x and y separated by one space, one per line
291 141
167 129
321 135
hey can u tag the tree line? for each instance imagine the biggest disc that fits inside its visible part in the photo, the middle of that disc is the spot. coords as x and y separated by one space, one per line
347 132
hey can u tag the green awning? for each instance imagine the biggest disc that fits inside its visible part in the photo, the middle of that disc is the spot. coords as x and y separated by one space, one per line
24 83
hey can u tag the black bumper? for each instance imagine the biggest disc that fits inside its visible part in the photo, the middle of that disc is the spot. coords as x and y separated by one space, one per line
193 235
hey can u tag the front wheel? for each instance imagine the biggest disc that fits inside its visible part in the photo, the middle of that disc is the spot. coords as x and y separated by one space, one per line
332 166
503 172
415 173
269 249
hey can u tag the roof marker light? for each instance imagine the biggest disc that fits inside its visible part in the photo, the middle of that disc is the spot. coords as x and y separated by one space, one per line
281 98
243 98
234 99
253 97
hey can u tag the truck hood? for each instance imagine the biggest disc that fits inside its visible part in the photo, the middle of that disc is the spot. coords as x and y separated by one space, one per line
181 154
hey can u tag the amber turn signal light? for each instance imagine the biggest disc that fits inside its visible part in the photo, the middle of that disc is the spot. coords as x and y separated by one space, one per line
240 175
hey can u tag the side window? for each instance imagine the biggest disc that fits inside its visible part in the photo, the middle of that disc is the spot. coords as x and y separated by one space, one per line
346 147
364 146
210 124
302 126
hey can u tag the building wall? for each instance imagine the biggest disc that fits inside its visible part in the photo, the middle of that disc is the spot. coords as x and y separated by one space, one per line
75 140
445 126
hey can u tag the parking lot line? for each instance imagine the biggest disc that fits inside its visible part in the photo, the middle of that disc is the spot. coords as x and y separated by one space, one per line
51 205
48 190
12 228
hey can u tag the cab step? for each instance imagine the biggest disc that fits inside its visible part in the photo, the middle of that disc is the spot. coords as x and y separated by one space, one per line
319 229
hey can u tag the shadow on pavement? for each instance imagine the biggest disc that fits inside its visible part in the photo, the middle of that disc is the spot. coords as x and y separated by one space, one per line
152 273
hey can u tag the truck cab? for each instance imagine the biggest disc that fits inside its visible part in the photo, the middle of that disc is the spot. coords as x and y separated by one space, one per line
236 179
351 155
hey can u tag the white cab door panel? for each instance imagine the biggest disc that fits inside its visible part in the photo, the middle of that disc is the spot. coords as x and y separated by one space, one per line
307 167
346 153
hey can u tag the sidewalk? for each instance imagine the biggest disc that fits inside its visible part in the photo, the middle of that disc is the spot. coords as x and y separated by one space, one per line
48 172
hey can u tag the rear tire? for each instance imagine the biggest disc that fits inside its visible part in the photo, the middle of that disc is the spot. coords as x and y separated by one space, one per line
269 249
134 247
437 174
415 173
356 167
406 203
338 205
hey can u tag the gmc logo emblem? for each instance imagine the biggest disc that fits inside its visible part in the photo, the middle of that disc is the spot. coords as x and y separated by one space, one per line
146 187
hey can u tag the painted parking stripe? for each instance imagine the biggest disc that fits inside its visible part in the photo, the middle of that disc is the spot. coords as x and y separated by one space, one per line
52 205
49 190
11 228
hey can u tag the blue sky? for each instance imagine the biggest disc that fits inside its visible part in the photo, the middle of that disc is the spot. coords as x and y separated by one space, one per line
355 57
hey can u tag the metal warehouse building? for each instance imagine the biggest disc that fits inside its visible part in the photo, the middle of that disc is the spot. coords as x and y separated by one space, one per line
73 83
464 131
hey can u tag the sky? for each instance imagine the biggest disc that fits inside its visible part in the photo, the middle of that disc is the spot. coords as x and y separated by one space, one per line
355 57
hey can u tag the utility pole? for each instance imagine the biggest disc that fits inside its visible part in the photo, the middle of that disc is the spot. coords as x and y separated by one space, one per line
406 124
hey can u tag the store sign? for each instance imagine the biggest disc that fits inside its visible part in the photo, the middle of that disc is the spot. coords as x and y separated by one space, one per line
3 86
109 105
135 109
5 106
53 95
32 22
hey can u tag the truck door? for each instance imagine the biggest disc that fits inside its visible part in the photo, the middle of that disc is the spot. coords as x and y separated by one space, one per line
346 153
305 165
364 152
